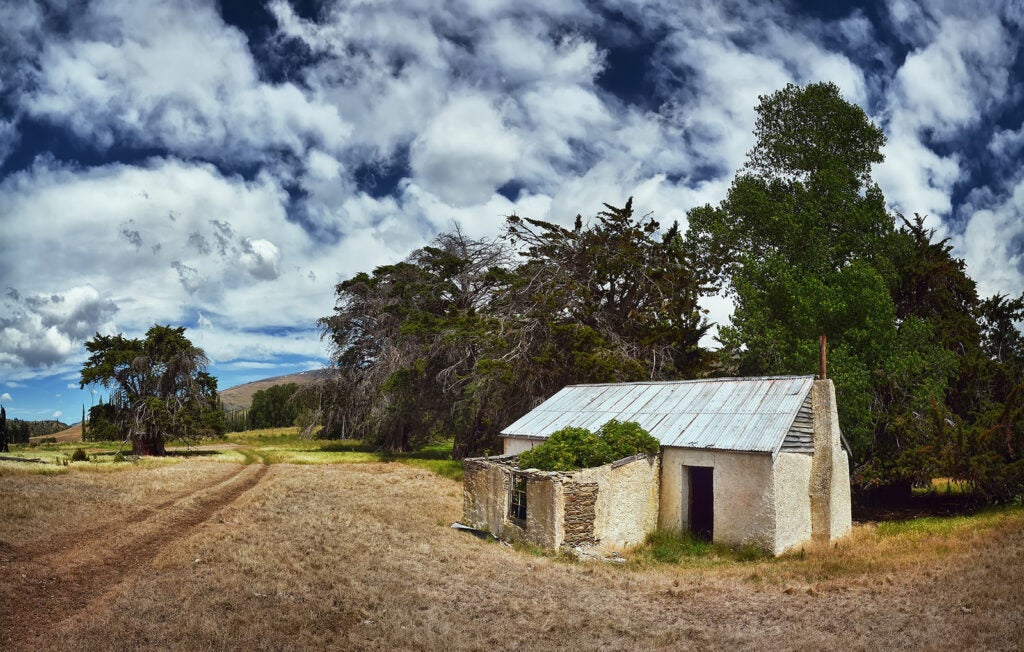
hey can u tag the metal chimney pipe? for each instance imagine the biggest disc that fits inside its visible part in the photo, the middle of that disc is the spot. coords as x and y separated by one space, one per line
822 354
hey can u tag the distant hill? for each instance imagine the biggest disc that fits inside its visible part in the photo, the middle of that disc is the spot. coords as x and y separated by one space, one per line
240 396
72 433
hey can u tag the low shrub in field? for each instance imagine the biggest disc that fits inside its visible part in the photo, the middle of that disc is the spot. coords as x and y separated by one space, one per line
574 448
669 547
79 456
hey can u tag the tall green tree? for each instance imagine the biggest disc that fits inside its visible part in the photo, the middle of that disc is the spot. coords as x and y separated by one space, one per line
160 387
795 244
804 246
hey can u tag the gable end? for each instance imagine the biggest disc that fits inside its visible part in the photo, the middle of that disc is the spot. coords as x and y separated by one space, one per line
800 438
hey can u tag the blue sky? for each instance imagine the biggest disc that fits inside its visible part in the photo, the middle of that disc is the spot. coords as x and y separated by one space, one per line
222 165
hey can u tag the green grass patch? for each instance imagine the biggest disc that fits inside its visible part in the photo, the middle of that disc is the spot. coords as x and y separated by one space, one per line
948 525
346 446
267 446
56 459
675 547
284 446
451 469
277 437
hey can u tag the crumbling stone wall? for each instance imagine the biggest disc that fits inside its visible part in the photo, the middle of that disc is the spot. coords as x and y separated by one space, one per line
611 506
580 502
485 501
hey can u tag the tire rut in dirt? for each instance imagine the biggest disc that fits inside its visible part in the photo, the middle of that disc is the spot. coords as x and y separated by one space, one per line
49 594
86 538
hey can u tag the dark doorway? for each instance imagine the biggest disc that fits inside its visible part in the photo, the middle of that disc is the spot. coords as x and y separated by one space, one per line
702 502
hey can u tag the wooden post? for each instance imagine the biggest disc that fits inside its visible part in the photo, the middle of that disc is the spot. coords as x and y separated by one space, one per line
822 352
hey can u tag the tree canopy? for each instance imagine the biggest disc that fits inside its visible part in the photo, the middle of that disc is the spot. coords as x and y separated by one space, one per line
274 407
160 388
466 335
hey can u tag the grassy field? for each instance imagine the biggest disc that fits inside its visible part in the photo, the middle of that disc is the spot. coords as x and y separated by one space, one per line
269 446
265 541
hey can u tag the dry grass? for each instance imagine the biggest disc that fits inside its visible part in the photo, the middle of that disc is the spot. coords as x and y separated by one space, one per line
360 556
73 433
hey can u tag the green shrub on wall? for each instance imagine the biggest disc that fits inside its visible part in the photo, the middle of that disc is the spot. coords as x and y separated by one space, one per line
627 438
573 448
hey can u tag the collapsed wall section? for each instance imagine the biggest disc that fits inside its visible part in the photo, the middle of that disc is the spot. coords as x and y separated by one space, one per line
609 507
487 493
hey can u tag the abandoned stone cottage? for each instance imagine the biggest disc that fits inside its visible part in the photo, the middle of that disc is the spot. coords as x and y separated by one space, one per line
757 461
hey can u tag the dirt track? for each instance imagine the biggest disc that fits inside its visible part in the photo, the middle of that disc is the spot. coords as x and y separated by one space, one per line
74 571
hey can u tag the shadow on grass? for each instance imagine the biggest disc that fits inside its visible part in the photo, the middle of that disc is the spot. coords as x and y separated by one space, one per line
192 453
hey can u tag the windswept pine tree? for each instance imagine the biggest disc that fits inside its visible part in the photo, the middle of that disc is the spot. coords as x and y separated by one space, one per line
466 335
161 390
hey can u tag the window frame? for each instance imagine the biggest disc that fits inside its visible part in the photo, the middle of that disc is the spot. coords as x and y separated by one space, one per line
517 498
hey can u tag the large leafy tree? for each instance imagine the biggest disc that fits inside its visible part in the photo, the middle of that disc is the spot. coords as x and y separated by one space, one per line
159 384
274 407
613 300
926 374
795 244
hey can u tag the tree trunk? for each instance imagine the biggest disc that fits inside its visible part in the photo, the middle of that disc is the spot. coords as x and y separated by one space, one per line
148 446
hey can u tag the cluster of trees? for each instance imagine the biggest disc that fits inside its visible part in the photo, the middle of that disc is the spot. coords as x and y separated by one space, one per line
160 389
102 424
927 373
18 431
277 406
467 334
274 407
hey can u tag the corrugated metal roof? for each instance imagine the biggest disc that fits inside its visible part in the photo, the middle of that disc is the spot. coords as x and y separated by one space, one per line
738 414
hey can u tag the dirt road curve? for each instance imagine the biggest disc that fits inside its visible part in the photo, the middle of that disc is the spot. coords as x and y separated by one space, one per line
75 571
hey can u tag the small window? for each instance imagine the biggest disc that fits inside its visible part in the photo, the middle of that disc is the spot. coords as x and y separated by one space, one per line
517 500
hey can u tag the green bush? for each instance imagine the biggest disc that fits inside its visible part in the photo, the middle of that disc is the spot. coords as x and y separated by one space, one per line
573 448
627 439
79 456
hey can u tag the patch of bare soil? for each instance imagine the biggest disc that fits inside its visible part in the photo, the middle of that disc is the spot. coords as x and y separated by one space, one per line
361 557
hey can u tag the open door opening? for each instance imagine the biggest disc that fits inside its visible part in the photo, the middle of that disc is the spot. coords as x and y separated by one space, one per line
702 502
